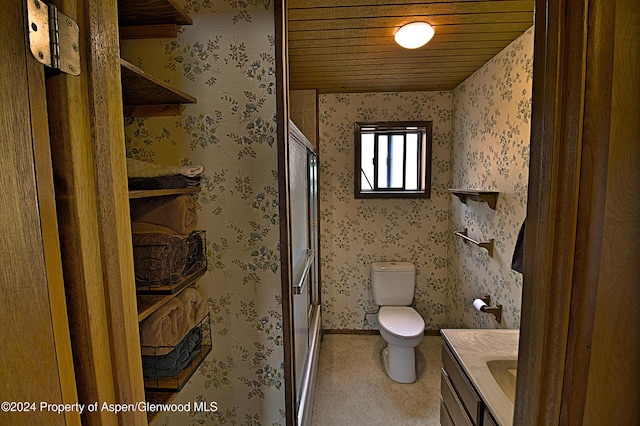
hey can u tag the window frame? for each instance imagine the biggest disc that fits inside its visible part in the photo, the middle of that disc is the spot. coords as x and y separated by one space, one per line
390 128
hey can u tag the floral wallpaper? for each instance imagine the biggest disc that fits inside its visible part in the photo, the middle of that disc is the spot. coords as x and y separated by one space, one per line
226 59
481 140
491 122
355 233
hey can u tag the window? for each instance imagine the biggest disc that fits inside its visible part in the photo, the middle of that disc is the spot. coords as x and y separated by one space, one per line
393 160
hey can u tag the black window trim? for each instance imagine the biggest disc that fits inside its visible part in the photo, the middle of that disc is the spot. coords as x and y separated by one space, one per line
391 127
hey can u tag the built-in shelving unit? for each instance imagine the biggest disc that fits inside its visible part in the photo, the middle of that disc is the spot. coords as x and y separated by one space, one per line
146 95
489 197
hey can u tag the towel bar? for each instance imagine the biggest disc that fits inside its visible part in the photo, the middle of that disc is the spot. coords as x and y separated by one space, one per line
488 246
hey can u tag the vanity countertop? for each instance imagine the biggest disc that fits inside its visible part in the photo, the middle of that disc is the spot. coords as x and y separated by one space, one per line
473 348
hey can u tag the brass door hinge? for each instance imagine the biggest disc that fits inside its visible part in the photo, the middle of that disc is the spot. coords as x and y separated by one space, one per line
53 37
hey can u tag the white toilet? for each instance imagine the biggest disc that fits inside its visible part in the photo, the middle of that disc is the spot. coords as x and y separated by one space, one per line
393 285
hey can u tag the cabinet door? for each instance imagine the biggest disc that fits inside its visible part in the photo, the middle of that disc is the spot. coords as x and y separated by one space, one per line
463 387
36 360
454 407
487 420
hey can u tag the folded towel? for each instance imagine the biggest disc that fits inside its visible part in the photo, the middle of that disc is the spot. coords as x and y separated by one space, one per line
177 212
159 255
174 362
150 228
164 328
137 168
195 305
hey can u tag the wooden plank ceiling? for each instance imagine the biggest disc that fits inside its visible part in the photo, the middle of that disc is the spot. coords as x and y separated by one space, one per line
343 46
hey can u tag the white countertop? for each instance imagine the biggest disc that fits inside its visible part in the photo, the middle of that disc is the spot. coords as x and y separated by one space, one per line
473 348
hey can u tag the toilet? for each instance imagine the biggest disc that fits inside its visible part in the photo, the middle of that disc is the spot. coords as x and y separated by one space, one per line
393 286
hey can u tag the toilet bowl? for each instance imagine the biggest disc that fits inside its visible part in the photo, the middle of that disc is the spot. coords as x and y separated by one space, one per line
403 329
401 326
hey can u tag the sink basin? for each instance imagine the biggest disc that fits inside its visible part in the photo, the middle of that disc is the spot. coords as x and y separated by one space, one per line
505 371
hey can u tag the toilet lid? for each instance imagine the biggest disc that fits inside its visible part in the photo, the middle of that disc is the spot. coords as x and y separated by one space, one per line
403 321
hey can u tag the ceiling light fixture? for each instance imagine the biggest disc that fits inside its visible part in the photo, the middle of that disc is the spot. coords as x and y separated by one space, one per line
414 35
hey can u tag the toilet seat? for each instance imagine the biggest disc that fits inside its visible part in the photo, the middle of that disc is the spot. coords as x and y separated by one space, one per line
401 321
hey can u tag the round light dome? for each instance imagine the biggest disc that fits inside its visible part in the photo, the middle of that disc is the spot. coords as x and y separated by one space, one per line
414 35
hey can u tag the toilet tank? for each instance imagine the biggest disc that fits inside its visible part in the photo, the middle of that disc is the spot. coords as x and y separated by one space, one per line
393 283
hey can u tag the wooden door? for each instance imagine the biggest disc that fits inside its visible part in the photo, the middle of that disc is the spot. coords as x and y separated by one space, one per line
86 124
36 360
579 359
69 318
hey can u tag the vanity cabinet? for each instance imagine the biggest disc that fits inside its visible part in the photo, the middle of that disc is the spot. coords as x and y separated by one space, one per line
460 403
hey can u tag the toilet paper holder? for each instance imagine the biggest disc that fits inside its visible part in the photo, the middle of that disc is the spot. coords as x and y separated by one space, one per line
482 305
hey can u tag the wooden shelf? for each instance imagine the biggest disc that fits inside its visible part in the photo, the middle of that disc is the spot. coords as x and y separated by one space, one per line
151 12
148 302
146 193
489 197
140 88
154 397
145 32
